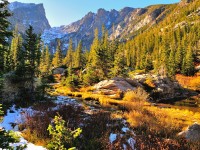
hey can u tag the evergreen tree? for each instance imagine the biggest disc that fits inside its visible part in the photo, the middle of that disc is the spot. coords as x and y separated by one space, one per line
119 68
32 58
178 57
57 59
78 56
16 46
47 60
188 66
44 60
4 33
92 60
68 61
171 67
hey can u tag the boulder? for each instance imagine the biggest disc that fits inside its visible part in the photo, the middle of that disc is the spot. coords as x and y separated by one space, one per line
192 133
58 71
116 85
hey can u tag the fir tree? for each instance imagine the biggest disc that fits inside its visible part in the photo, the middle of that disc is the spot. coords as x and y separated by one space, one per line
4 33
78 56
57 59
16 46
32 58
68 61
47 60
92 56
171 67
188 67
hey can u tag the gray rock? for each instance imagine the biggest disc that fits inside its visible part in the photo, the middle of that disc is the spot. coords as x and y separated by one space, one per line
25 14
115 86
192 133
58 71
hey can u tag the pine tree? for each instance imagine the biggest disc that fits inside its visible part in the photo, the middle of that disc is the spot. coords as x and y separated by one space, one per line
178 57
78 56
4 33
171 67
32 58
68 60
92 56
188 68
16 46
42 59
57 59
119 68
47 60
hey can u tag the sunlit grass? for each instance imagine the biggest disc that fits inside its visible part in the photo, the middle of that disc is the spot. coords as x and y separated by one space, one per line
192 83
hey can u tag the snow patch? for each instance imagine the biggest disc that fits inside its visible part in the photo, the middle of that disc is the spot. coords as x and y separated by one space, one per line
112 137
125 129
52 34
15 116
131 142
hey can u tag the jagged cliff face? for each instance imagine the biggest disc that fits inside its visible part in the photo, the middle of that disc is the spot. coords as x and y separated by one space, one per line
84 29
122 24
28 14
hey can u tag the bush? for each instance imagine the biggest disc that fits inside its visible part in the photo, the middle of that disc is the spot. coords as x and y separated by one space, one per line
137 95
62 137
90 78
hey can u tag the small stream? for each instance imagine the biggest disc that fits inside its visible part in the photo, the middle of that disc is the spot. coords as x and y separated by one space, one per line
16 116
189 104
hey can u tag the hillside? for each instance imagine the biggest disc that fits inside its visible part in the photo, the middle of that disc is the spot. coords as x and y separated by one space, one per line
121 24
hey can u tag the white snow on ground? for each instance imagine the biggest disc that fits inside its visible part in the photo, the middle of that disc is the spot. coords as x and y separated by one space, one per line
15 116
112 137
126 133
125 129
131 143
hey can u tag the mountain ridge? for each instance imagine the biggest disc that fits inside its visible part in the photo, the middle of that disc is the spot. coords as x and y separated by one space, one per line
122 25
25 14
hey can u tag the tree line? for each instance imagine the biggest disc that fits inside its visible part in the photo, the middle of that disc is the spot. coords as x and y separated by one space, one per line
164 51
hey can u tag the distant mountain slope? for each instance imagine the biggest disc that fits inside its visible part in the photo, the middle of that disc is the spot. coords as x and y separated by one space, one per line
28 14
122 24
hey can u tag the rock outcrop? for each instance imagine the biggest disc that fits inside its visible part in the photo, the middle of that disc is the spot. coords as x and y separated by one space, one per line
25 14
192 133
120 24
116 85
162 88
58 71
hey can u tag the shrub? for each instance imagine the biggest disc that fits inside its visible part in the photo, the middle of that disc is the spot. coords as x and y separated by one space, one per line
62 137
90 78
36 124
137 95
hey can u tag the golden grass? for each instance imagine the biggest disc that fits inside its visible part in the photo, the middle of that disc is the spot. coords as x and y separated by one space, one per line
192 83
164 121
32 137
148 120
85 94
138 95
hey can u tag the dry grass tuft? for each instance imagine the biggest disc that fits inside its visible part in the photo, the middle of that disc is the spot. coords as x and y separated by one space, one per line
138 95
192 83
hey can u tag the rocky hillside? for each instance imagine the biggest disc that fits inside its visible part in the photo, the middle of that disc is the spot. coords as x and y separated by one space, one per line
28 14
121 24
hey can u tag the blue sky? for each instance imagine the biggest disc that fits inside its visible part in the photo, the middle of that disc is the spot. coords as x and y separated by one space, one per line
64 12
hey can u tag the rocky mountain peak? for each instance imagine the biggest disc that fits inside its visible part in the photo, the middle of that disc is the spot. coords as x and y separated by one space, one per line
16 5
25 14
